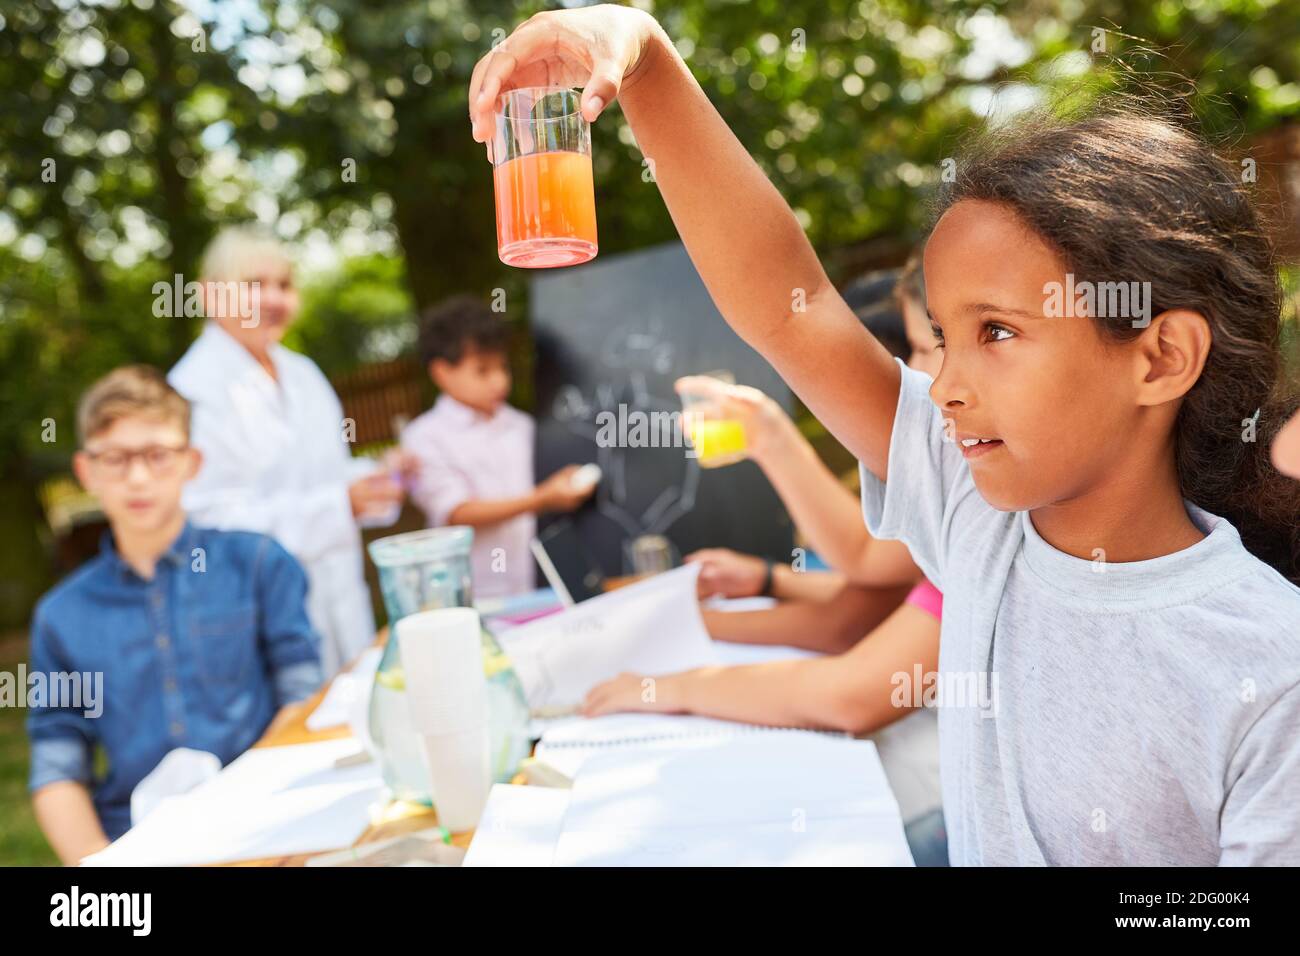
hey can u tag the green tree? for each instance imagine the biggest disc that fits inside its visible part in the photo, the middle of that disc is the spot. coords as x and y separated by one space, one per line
129 129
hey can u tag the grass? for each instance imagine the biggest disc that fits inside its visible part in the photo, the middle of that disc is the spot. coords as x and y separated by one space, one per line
21 841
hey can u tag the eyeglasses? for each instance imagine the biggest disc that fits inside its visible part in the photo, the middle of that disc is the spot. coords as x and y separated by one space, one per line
160 460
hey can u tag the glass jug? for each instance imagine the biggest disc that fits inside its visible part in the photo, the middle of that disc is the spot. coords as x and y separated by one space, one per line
422 571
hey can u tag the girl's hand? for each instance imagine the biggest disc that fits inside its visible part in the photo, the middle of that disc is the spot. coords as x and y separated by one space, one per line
621 693
728 573
597 48
766 424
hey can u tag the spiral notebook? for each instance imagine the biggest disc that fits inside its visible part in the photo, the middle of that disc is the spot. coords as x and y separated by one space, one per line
663 790
566 745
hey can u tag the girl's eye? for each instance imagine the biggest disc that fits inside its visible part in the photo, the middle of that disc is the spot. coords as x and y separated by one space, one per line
938 336
998 333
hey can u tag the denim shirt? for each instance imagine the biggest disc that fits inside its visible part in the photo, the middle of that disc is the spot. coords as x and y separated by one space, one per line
201 656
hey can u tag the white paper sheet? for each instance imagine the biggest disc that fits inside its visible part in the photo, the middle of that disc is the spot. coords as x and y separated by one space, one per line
651 627
520 827
272 801
759 799
567 744
348 690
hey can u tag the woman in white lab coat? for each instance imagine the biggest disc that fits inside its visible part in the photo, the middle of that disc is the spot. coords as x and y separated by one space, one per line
273 437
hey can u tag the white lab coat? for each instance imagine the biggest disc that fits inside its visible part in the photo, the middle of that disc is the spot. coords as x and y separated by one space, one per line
275 460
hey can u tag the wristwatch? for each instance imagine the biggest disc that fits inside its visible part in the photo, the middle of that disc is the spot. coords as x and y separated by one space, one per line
769 570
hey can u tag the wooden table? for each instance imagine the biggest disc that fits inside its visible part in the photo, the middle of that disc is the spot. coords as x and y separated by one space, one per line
290 727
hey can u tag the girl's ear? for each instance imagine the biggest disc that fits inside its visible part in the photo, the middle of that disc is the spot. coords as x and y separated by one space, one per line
1173 350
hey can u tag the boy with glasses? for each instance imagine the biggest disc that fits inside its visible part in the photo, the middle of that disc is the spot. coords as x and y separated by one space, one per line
199 635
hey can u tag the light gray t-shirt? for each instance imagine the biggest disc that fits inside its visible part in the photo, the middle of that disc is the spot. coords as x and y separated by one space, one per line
1144 713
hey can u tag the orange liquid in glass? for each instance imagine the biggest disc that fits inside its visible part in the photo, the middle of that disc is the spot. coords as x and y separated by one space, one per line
546 210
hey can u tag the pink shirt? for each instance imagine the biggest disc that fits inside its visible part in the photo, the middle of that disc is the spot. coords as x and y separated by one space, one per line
466 455
927 597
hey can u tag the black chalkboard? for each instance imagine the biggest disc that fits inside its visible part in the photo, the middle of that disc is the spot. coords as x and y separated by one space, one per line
619 331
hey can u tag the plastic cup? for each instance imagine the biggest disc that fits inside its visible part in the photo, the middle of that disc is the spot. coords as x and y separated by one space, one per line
460 766
446 691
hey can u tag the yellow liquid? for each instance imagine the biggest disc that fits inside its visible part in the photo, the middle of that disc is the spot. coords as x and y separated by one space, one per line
395 677
718 441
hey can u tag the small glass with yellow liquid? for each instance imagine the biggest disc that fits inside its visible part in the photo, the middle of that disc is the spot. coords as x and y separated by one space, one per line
716 438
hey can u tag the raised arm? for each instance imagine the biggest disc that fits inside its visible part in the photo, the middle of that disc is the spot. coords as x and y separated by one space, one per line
744 240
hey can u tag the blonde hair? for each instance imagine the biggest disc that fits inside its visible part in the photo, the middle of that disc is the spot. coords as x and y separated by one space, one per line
236 252
130 390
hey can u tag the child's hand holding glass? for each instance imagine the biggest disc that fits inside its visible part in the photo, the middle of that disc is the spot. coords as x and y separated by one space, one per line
594 48
766 427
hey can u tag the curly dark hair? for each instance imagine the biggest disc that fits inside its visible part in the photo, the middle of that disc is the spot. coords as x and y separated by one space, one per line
458 325
1129 192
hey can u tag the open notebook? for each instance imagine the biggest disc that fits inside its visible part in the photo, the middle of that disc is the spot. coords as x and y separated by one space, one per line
566 744
654 790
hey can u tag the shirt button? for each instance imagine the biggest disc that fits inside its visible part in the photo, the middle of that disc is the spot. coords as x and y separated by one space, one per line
169 685
177 728
163 641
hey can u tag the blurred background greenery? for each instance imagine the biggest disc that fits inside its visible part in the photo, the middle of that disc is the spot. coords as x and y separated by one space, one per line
131 129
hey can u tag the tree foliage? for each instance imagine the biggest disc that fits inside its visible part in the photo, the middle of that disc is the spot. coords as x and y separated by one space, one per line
130 129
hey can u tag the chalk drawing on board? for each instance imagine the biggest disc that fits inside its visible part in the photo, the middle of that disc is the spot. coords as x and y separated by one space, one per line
629 356
620 331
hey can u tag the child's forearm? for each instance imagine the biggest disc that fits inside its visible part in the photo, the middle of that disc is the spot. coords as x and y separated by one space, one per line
829 516
754 258
67 817
802 624
830 627
802 693
791 585
485 512
856 692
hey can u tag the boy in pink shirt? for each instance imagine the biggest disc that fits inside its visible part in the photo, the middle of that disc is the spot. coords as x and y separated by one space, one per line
476 452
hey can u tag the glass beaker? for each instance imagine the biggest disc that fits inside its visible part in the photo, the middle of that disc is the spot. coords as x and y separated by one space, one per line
541 170
716 438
